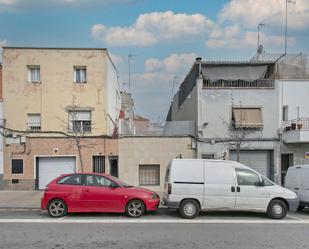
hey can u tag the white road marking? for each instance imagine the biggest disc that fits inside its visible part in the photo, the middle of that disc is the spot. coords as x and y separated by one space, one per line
153 221
296 218
61 218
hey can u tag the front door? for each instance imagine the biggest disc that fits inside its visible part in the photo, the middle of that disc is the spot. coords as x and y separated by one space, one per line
286 162
101 195
250 194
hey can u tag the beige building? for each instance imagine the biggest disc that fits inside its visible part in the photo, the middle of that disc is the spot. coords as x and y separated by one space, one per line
52 94
143 160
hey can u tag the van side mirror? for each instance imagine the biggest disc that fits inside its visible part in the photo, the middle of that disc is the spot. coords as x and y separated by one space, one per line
259 184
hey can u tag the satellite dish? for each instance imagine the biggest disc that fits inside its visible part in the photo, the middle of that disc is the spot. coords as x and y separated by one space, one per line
260 49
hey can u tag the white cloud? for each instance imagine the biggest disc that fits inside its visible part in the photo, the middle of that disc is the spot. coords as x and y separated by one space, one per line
172 64
235 37
151 28
251 12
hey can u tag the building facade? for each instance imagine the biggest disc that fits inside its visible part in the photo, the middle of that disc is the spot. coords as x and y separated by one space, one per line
1 137
237 112
61 111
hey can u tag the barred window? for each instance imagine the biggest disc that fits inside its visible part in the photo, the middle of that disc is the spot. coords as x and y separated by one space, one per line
149 174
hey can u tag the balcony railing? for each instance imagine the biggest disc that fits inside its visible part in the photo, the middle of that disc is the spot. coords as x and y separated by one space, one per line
34 126
296 124
260 83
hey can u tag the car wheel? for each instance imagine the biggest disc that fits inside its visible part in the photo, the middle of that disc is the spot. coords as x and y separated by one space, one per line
57 208
277 209
189 209
135 208
300 207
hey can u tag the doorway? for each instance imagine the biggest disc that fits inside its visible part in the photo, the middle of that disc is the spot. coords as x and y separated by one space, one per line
286 162
113 166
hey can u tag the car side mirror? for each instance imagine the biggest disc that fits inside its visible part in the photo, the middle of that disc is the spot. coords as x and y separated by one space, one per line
114 185
259 184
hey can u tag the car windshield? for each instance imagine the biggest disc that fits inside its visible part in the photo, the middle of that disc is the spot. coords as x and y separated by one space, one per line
124 184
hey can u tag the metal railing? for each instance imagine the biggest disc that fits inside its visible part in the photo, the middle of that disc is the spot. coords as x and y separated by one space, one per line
260 83
296 124
34 126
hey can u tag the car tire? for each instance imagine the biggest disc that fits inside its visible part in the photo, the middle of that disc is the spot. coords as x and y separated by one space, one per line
189 209
135 209
300 208
277 209
57 208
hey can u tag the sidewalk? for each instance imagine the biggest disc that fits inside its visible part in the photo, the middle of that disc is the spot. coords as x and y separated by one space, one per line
20 199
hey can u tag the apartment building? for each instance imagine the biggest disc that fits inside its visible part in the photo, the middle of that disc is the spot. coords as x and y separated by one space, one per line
61 114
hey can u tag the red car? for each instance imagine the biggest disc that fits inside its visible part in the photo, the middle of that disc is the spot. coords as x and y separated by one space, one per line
93 192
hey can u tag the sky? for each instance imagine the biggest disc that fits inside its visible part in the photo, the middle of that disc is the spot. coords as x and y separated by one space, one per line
164 36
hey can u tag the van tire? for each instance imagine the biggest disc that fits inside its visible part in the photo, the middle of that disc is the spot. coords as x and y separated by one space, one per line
277 209
189 209
300 208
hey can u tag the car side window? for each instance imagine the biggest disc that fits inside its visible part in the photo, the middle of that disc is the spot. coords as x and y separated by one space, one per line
96 180
247 178
71 180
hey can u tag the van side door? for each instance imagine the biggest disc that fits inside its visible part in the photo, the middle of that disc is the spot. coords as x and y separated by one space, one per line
304 194
220 186
250 192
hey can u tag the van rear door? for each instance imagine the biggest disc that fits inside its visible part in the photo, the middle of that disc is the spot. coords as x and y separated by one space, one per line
220 185
304 194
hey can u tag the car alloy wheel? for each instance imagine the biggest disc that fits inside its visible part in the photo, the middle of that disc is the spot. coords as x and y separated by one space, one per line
135 208
57 208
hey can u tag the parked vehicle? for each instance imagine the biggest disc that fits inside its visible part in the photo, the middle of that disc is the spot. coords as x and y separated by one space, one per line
297 180
192 185
92 192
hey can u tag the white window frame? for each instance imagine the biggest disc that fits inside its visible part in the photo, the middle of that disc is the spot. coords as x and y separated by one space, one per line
34 125
80 81
153 180
74 119
30 69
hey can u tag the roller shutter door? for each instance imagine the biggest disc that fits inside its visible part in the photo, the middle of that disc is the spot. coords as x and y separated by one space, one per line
259 160
48 168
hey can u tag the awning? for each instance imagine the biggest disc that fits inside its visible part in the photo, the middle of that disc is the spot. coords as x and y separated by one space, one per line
244 117
234 72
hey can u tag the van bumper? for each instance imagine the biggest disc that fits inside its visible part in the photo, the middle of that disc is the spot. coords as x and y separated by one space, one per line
170 204
293 204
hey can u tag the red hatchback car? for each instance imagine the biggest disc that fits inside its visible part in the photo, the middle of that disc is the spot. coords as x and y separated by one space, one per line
94 192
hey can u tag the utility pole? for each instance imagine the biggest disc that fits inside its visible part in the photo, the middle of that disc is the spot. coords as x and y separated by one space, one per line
129 66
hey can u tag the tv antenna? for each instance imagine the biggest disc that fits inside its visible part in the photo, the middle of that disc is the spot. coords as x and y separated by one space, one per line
260 48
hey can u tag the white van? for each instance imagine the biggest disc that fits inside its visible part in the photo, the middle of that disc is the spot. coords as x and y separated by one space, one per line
297 180
192 185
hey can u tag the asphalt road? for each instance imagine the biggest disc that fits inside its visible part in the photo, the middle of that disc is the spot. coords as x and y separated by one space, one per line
163 229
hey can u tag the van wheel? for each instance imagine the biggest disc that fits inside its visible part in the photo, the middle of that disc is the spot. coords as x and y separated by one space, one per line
277 209
57 208
189 209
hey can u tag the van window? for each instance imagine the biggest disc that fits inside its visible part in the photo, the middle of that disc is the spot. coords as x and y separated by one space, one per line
267 182
247 177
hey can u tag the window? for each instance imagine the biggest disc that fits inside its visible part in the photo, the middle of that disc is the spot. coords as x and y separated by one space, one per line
34 74
80 121
80 75
247 117
266 181
34 122
149 174
247 177
96 180
208 156
71 180
285 113
17 166
98 163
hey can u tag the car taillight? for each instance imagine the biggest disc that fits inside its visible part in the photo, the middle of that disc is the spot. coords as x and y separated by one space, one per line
169 188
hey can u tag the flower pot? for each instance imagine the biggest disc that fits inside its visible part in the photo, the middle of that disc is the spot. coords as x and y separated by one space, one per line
293 126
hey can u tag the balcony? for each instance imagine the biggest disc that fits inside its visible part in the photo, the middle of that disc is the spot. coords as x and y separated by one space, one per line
296 131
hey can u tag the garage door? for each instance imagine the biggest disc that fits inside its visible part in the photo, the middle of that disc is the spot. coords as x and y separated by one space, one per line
259 160
48 168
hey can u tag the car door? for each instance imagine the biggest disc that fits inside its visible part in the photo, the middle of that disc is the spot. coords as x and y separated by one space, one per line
220 185
250 192
101 194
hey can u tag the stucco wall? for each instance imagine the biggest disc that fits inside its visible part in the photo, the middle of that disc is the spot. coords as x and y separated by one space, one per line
134 151
46 147
57 87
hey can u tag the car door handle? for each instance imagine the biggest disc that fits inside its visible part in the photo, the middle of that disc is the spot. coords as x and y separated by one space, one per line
232 189
238 189
296 188
87 190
